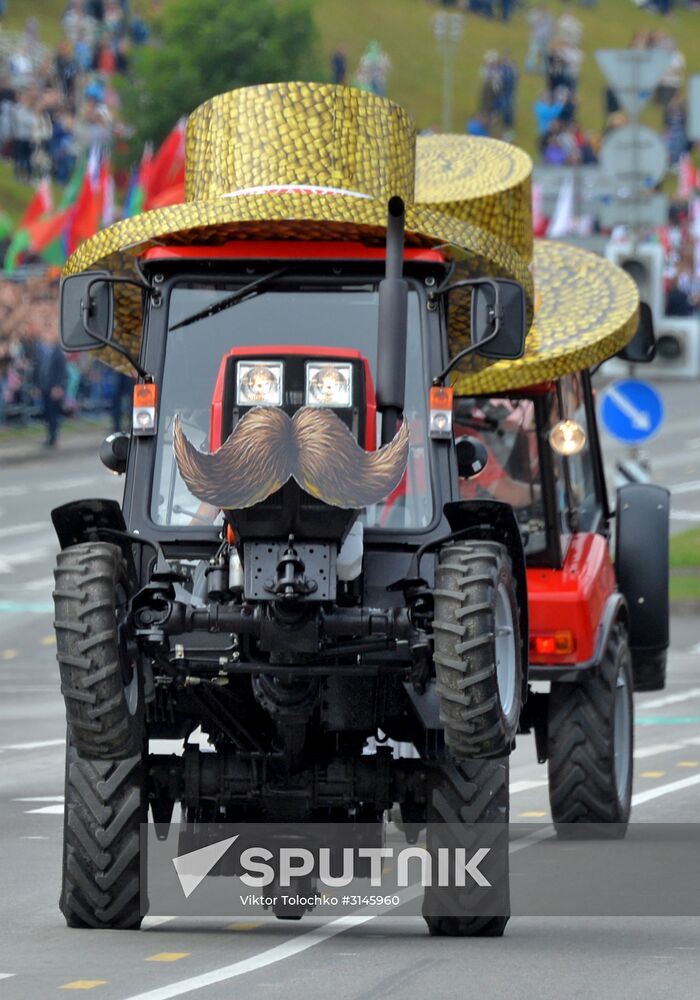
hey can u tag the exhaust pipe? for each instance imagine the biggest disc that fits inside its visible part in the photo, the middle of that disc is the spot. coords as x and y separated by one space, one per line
393 315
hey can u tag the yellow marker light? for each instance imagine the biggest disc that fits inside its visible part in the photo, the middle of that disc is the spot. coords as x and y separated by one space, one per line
328 385
259 383
567 437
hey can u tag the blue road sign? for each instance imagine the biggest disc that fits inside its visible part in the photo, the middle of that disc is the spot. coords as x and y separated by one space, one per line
631 411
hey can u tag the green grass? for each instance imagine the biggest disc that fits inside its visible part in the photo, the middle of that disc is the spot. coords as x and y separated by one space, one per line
685 566
404 28
685 549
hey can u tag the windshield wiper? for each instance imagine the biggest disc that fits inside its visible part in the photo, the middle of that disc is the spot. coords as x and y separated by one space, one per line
241 293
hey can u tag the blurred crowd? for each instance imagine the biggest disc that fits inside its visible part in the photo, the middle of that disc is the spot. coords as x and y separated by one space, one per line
57 103
37 380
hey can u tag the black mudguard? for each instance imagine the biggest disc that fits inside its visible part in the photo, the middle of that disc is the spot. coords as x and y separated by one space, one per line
91 521
641 562
495 521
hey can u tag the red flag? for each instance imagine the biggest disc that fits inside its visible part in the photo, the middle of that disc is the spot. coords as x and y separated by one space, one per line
168 165
45 231
85 215
41 204
173 195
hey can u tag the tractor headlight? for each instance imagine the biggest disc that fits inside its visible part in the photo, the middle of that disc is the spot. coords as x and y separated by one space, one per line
259 383
567 437
328 384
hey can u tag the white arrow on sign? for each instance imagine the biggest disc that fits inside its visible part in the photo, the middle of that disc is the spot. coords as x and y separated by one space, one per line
633 74
640 420
194 866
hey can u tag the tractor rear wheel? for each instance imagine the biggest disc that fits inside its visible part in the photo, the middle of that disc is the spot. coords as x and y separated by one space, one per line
100 680
466 793
477 649
105 804
590 740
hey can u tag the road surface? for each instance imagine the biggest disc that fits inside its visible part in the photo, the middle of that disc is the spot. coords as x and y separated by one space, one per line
381 957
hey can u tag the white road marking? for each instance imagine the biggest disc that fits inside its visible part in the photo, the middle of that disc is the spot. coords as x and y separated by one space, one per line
9 562
695 648
149 923
685 515
66 484
526 786
7 975
46 583
692 486
42 798
34 746
656 793
301 943
20 529
658 748
669 699
270 956
33 838
56 810
12 491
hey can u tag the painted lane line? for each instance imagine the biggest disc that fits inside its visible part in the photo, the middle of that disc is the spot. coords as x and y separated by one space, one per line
669 699
674 786
149 923
695 649
296 945
526 786
690 487
685 515
22 529
288 949
658 748
39 745
7 975
56 810
42 798
66 484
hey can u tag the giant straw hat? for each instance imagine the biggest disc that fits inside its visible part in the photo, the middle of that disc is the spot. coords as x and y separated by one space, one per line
295 161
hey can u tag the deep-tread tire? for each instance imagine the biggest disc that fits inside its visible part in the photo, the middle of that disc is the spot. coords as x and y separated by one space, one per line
584 787
467 792
649 670
91 586
468 580
104 807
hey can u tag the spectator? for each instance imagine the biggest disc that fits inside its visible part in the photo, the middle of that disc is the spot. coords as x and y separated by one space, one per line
541 32
479 124
339 66
547 110
374 69
506 97
23 128
52 370
675 125
674 74
490 73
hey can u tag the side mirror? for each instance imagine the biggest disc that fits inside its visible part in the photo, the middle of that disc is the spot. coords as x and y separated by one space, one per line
498 307
472 457
642 347
87 311
114 452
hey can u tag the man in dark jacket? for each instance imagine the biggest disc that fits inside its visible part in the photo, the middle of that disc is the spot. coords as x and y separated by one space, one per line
51 369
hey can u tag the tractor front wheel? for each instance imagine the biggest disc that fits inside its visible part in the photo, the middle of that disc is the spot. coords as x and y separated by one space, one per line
477 655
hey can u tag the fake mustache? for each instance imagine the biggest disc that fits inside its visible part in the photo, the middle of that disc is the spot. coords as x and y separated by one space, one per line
314 447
